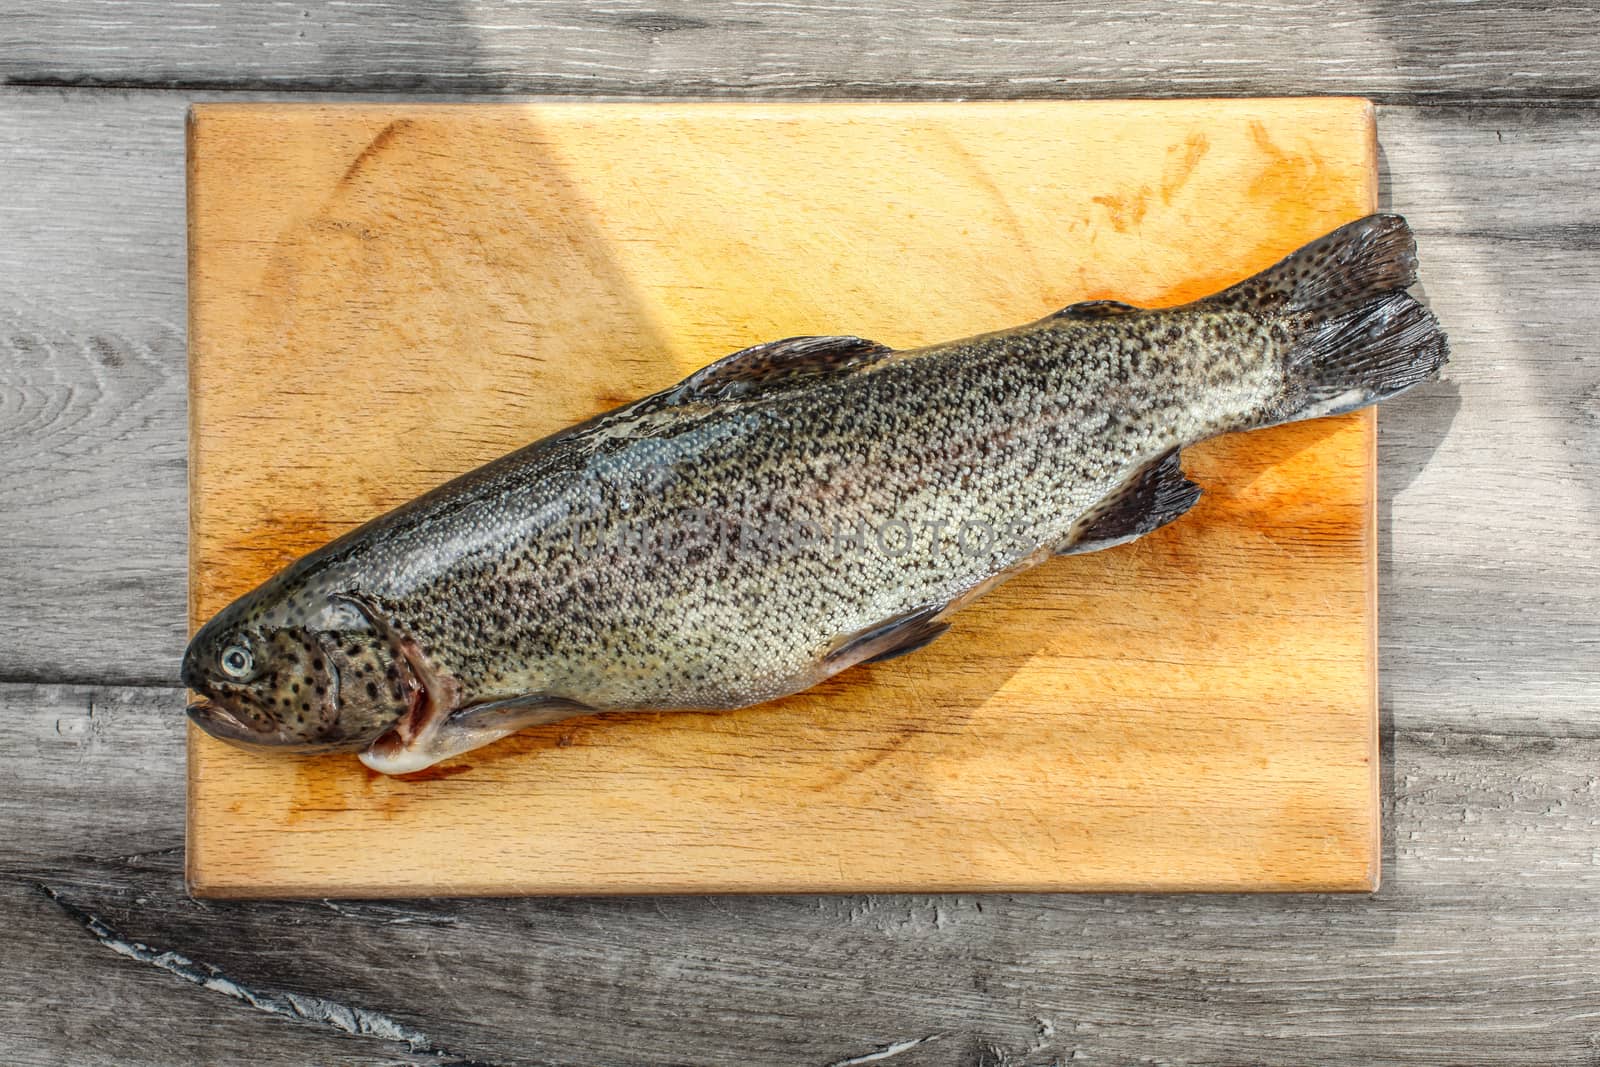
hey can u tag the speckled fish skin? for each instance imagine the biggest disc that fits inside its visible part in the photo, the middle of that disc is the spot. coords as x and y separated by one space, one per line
652 558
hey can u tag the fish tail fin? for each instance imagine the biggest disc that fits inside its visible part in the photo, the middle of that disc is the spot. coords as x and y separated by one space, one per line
1351 265
1361 356
1356 337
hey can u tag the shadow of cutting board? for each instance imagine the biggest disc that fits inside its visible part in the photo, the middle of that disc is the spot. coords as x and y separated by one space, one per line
384 297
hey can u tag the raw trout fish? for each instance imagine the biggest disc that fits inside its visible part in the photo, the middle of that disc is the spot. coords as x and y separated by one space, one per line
789 511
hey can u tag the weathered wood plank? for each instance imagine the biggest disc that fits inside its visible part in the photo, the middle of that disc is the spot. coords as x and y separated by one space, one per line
88 1004
1479 948
1395 50
1487 492
92 448
1490 548
91 771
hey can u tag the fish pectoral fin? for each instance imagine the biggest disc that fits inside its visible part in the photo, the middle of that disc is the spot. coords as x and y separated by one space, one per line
1153 497
1095 309
464 730
893 637
778 363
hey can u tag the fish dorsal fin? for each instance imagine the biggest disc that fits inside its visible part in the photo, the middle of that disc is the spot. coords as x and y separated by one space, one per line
1157 494
777 363
1095 309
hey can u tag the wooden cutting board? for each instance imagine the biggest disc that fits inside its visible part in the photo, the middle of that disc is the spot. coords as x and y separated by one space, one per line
384 297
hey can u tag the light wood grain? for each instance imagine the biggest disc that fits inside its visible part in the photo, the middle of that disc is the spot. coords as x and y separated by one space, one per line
1396 50
397 295
1479 948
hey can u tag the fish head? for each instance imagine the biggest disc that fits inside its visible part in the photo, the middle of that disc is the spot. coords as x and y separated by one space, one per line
295 685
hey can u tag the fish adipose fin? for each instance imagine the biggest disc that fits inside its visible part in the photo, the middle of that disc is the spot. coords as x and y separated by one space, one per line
1096 309
1356 338
888 639
778 363
1158 494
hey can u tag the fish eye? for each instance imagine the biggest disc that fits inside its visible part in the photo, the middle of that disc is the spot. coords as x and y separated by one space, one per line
236 661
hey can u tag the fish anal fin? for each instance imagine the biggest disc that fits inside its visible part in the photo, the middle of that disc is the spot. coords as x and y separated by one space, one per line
1095 309
893 637
1155 496
777 363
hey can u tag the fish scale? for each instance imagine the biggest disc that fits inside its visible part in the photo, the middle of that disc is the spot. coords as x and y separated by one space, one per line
792 510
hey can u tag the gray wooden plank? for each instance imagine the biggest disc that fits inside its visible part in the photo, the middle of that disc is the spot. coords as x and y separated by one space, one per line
86 1005
92 413
1479 948
92 771
1396 50
1488 499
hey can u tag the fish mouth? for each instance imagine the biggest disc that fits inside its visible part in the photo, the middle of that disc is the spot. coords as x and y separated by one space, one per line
221 724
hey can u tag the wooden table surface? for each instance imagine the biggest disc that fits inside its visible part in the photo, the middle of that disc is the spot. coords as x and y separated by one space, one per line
1481 947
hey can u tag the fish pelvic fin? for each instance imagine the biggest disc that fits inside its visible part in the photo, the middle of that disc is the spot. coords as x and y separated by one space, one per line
1355 337
1156 495
886 640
